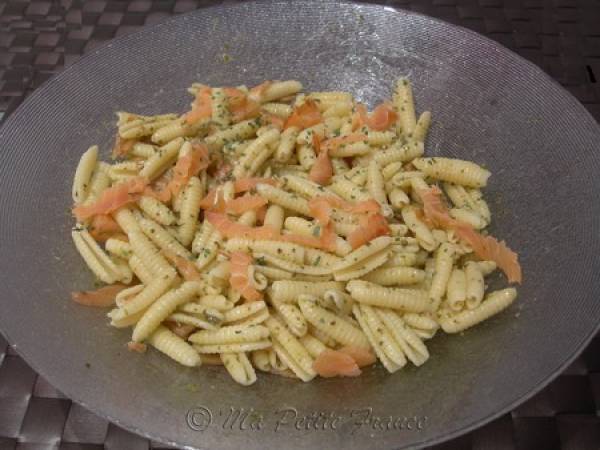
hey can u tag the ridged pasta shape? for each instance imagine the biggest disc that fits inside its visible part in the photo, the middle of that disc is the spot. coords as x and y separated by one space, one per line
494 303
408 300
458 171
162 308
174 347
289 290
336 327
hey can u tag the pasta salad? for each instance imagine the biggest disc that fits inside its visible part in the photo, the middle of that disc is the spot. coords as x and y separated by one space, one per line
294 233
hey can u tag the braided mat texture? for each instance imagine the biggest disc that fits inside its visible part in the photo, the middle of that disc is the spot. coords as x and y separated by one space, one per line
39 38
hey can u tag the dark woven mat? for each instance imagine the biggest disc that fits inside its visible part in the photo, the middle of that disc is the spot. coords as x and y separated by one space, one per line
39 38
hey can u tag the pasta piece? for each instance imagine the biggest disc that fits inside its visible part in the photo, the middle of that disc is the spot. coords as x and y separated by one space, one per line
475 286
458 171
304 187
468 216
162 308
341 302
221 117
297 354
493 303
313 346
303 227
283 198
245 313
274 273
444 260
280 89
410 343
377 344
238 132
289 266
143 150
384 339
422 127
83 174
243 166
376 188
402 259
288 291
196 322
236 347
292 317
162 238
306 156
99 262
423 326
281 110
287 144
405 105
363 268
401 153
420 230
479 204
351 150
285 250
156 210
97 185
143 300
456 290
149 254
338 109
362 253
118 248
348 190
398 275
230 334
334 326
239 367
140 270
174 347
408 300
190 207
167 132
314 257
398 199
274 217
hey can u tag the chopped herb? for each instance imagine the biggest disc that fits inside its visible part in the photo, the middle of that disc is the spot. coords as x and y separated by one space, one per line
317 261
316 232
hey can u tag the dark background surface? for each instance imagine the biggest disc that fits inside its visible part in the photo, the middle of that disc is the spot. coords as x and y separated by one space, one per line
39 38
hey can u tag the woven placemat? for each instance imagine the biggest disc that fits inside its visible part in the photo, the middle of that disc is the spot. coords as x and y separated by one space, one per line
39 38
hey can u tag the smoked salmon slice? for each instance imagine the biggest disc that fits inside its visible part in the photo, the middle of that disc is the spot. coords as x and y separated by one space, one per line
122 147
186 268
487 248
304 116
100 298
322 170
382 117
332 363
112 198
362 356
371 226
239 263
202 107
104 227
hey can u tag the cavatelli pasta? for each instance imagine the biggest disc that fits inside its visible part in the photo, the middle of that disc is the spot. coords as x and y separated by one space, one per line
309 226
